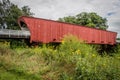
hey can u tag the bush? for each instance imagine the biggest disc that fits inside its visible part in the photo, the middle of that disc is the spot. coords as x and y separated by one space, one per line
88 64
17 43
72 60
97 67
72 47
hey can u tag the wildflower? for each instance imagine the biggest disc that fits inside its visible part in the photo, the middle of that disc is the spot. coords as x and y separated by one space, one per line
63 41
78 52
118 57
93 55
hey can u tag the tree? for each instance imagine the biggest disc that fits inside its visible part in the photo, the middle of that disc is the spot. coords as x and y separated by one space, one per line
26 11
87 19
4 11
69 19
10 12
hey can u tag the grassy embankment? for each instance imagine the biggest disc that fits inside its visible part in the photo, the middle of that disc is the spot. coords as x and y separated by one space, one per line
73 60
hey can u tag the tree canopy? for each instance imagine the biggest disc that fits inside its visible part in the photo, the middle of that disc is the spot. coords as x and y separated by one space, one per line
87 19
10 12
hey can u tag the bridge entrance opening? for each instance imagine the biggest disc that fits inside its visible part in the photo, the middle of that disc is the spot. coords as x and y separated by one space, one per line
23 26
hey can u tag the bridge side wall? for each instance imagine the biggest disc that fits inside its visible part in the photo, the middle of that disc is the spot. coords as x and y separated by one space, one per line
46 31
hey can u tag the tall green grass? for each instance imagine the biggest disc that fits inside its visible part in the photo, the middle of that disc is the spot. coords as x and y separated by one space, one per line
71 60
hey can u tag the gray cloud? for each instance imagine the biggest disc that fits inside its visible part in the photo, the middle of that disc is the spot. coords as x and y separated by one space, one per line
54 9
110 13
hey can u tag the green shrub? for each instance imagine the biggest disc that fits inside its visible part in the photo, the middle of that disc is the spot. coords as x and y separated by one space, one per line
72 47
72 60
18 43
97 68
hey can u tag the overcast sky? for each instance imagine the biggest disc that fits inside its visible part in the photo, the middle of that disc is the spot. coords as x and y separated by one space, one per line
54 9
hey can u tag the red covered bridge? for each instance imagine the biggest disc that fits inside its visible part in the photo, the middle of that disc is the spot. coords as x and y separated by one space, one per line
46 31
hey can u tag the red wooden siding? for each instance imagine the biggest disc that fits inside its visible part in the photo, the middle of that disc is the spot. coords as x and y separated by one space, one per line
46 31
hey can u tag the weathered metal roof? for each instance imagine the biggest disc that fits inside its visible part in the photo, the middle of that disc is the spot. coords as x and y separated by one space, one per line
7 33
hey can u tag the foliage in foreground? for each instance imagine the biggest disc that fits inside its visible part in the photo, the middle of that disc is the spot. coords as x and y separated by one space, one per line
72 60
